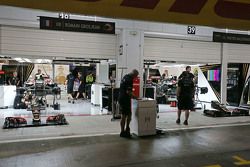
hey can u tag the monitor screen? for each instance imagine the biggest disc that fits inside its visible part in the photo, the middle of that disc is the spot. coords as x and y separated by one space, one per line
213 75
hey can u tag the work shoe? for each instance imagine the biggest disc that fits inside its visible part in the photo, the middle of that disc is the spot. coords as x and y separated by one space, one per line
185 122
127 134
178 121
123 134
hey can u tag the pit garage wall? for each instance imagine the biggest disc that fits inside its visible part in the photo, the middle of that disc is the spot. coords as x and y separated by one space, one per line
33 42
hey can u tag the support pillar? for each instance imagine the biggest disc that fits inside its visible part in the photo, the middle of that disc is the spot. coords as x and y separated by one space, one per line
53 72
130 55
224 69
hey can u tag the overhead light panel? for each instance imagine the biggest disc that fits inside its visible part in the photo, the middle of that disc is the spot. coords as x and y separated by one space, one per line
27 60
20 60
43 61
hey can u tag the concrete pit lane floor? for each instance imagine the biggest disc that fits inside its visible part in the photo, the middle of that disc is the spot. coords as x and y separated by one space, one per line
211 147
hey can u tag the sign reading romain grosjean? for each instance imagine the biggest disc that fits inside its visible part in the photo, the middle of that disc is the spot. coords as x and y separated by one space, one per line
50 23
215 13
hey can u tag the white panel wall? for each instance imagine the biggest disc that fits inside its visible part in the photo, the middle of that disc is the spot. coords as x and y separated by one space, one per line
29 18
238 53
35 42
181 50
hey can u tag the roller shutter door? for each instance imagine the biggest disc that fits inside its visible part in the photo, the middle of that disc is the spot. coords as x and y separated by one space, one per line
181 50
238 53
20 41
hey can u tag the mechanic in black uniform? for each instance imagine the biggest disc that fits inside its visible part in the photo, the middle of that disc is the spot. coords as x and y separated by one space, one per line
14 80
70 84
39 75
188 70
185 94
126 93
1 79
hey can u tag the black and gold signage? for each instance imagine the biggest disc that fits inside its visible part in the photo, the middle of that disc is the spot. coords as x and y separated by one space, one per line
231 38
50 23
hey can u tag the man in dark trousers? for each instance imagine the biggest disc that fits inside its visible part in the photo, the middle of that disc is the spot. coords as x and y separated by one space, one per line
1 79
70 84
188 71
185 94
126 93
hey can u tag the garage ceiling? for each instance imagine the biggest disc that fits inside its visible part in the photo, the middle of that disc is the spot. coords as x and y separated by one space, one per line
232 14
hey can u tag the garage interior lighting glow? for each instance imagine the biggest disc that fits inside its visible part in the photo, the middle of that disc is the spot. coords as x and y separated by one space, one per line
20 60
27 60
41 61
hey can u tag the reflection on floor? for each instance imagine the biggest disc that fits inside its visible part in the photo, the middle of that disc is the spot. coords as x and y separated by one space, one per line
79 108
165 108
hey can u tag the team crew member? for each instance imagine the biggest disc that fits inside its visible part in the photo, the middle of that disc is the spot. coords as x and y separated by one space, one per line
39 75
14 80
188 70
125 96
70 84
185 94
89 81
81 89
1 80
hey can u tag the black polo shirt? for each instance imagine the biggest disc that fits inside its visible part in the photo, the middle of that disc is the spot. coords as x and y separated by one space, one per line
125 86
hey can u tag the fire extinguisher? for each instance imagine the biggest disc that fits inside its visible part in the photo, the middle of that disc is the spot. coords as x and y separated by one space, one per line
136 87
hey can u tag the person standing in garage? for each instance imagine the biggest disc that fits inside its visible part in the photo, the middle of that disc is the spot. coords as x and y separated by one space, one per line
14 80
89 81
191 76
188 70
81 89
70 84
1 80
185 94
39 75
126 93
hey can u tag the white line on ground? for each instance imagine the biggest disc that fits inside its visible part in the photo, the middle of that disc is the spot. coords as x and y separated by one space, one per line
95 135
54 138
207 126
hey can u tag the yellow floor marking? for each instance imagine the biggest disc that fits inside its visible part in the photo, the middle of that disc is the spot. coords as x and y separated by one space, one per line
241 161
